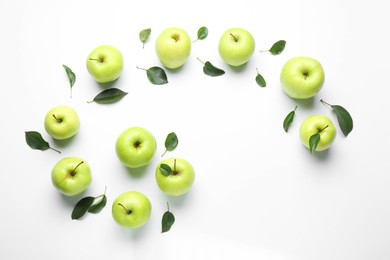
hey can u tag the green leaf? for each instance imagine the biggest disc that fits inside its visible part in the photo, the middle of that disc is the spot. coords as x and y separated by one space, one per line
96 208
35 140
344 119
313 142
82 207
71 77
171 142
260 80
212 71
144 36
202 33
165 169
108 96
288 120
157 75
167 221
278 47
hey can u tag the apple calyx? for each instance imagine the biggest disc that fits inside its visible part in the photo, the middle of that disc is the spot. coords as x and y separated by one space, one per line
176 37
128 211
73 173
59 120
234 37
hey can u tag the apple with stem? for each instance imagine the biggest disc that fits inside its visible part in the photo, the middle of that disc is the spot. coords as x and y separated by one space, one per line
318 124
71 176
175 176
135 147
302 77
131 209
105 63
236 46
173 47
62 122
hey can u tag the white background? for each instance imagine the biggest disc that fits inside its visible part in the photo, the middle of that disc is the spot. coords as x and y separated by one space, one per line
258 193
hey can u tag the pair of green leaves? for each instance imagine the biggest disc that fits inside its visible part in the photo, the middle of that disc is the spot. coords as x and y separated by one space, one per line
89 204
156 75
109 96
35 140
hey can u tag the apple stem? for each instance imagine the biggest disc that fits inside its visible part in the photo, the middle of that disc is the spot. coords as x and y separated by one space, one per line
100 60
200 60
326 103
58 120
319 131
141 68
55 150
174 167
74 170
127 211
235 38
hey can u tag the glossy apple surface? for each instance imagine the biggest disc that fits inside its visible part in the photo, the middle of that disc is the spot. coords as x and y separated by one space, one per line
179 181
131 209
62 122
173 47
318 124
71 176
135 147
105 63
302 77
236 46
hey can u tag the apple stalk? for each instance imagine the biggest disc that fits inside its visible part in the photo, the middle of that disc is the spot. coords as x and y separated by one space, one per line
73 173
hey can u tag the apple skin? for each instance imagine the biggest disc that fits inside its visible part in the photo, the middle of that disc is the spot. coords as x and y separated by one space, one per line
135 147
62 122
236 50
71 176
105 63
178 183
131 209
302 77
312 125
173 47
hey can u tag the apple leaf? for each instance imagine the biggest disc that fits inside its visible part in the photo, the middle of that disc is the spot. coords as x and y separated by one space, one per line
96 208
35 140
167 220
82 207
343 117
260 80
278 47
144 36
171 142
107 96
165 169
313 142
288 120
202 33
211 70
71 77
156 75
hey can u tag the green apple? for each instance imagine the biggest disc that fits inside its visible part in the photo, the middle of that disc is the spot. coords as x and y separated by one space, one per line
318 124
131 209
180 179
173 47
135 147
62 122
302 77
71 176
105 63
236 46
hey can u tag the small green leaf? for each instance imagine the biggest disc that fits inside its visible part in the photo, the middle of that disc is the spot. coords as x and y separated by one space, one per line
165 169
212 71
167 221
35 140
313 142
288 120
82 207
108 96
144 36
156 75
260 80
96 208
343 117
278 47
71 77
171 142
202 33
